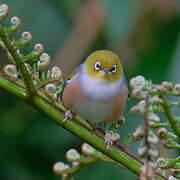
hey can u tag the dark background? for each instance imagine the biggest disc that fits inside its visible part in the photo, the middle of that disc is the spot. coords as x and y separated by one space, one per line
145 34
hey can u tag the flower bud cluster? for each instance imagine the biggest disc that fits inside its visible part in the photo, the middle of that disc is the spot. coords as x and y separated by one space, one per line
35 62
77 160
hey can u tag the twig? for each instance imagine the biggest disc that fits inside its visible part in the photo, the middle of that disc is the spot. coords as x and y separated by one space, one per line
146 123
172 120
76 129
28 81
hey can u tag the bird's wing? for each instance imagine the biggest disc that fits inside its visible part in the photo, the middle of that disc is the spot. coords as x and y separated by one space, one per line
71 76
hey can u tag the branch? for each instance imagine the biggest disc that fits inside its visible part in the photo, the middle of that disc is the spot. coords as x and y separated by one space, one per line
51 111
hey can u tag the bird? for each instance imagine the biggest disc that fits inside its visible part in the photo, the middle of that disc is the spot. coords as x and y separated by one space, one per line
97 90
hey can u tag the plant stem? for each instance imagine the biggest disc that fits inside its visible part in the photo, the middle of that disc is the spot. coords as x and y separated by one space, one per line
28 81
49 110
172 120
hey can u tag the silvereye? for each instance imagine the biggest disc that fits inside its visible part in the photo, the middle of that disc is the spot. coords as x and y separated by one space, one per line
96 90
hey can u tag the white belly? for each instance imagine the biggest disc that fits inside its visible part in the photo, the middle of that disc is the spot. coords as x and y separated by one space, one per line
93 111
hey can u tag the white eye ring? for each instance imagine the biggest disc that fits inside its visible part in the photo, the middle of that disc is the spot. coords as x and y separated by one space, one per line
113 70
97 66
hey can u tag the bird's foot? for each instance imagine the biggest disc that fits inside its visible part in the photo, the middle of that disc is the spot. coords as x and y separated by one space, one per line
110 138
68 115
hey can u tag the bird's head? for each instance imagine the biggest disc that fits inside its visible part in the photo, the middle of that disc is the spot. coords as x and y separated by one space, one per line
104 65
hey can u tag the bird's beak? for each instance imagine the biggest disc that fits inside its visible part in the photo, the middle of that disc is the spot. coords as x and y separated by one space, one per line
106 70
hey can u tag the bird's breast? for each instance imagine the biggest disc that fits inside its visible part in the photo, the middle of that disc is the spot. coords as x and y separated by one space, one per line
94 111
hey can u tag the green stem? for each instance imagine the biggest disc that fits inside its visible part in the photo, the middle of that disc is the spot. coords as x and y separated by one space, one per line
28 82
49 110
172 120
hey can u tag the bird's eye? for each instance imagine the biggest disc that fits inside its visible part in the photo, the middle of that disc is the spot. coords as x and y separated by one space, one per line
113 70
97 66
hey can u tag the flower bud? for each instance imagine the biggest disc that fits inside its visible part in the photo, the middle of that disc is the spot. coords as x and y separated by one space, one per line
60 168
147 172
50 88
56 73
153 117
138 132
35 75
152 139
87 149
161 161
39 48
160 88
15 21
72 155
44 61
153 153
138 93
167 85
156 100
142 150
161 132
4 11
137 82
11 70
26 38
139 108
177 88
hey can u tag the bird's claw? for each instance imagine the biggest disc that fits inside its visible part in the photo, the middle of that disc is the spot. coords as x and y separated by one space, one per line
108 141
68 115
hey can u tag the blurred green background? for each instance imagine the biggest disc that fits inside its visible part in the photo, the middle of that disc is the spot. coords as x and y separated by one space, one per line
145 34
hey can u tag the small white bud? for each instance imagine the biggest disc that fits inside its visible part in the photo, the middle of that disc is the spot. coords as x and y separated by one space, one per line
160 88
139 108
39 48
142 150
44 61
137 82
15 21
50 89
138 93
138 132
161 131
152 139
60 168
87 149
35 75
156 100
72 155
4 11
167 85
153 117
153 152
177 88
26 38
56 73
11 70
161 161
